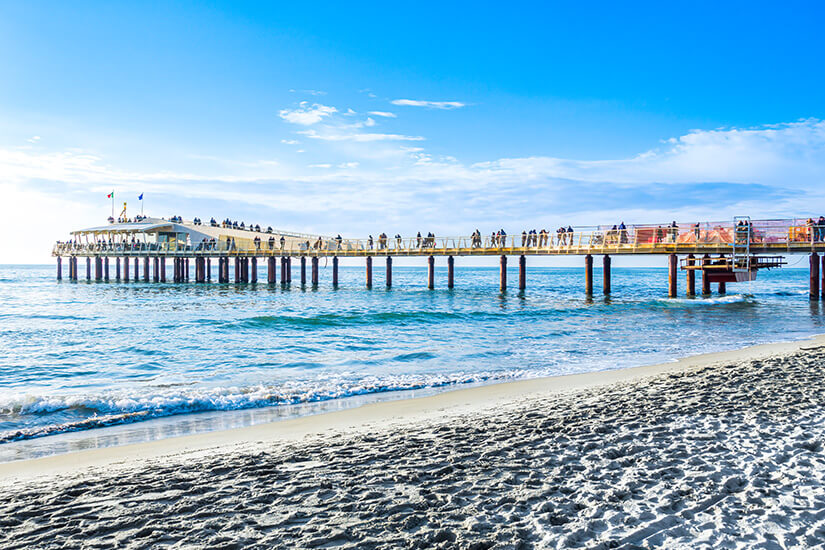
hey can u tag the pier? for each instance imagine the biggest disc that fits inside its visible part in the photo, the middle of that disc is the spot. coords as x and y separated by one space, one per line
721 252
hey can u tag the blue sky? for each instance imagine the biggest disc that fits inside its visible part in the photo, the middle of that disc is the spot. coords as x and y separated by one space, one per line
361 119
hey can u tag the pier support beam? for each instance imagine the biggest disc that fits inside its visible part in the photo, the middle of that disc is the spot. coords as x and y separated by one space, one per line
106 269
705 276
502 273
389 271
156 265
430 272
88 269
288 269
271 270
691 276
822 274
283 270
522 272
208 269
672 266
315 271
186 269
814 290
253 275
126 269
59 268
98 268
137 270
588 275
723 288
162 268
606 260
237 275
335 271
74 268
369 271
303 270
450 272
117 268
146 269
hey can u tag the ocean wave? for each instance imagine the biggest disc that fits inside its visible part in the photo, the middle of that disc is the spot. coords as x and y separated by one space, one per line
162 401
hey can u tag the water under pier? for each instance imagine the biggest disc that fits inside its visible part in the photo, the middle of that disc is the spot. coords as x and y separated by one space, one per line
721 252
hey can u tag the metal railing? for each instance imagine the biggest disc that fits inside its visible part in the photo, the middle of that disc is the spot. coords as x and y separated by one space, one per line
776 235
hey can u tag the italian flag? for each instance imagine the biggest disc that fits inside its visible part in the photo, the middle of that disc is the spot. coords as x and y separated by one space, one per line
110 195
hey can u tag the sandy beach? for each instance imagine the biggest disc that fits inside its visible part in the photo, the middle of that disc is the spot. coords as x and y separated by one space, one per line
716 451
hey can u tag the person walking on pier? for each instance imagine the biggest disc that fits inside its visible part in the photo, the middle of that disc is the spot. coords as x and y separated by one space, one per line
418 240
369 243
338 240
398 240
283 242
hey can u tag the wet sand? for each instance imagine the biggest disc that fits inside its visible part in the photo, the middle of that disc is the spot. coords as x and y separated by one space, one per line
723 450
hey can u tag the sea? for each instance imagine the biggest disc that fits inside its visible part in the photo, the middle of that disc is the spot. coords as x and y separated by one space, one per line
89 364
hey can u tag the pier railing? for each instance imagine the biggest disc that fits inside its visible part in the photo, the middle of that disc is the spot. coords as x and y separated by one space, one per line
768 235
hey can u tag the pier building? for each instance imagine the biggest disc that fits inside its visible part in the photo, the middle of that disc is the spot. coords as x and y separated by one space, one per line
720 252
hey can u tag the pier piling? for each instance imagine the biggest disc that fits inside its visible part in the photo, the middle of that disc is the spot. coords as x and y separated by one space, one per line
723 287
705 276
253 276
126 269
137 270
106 269
156 265
146 269
186 269
522 272
502 273
335 271
822 274
814 261
673 265
303 271
117 268
271 270
430 272
314 270
691 276
606 275
88 269
450 272
162 267
588 275
98 268
283 270
289 270
389 271
208 269
369 271
59 268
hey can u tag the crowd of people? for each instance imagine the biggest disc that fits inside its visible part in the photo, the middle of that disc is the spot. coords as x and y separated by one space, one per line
817 229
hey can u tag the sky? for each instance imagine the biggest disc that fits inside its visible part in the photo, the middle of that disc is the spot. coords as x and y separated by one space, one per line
356 119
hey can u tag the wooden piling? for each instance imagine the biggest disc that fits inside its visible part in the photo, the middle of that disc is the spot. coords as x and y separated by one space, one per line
126 269
283 270
156 265
136 278
369 271
106 269
691 276
162 268
186 269
814 290
271 270
88 269
450 272
430 272
588 275
253 275
208 269
389 271
303 270
59 268
672 265
146 269
723 287
237 276
502 273
705 276
288 269
606 282
335 271
314 271
117 268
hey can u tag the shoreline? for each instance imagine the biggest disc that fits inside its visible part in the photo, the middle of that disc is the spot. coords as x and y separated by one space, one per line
382 415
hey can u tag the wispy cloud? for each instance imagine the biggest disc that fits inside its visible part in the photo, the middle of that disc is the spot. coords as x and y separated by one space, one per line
429 104
385 114
33 139
307 115
290 141
358 136
308 92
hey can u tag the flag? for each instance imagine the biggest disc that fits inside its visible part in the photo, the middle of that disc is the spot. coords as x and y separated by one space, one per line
140 197
110 195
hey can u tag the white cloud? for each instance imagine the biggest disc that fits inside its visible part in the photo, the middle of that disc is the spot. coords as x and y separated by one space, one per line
358 137
33 139
290 141
349 165
310 92
307 115
385 114
428 104
320 166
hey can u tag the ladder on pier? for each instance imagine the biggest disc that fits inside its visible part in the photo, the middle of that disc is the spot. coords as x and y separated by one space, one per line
741 244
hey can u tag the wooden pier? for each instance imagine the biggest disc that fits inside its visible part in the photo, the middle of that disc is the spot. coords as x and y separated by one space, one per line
721 251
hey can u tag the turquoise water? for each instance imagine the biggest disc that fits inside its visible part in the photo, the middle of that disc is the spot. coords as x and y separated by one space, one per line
77 357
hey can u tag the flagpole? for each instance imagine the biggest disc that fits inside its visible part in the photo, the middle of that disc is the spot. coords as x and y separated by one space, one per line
113 203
